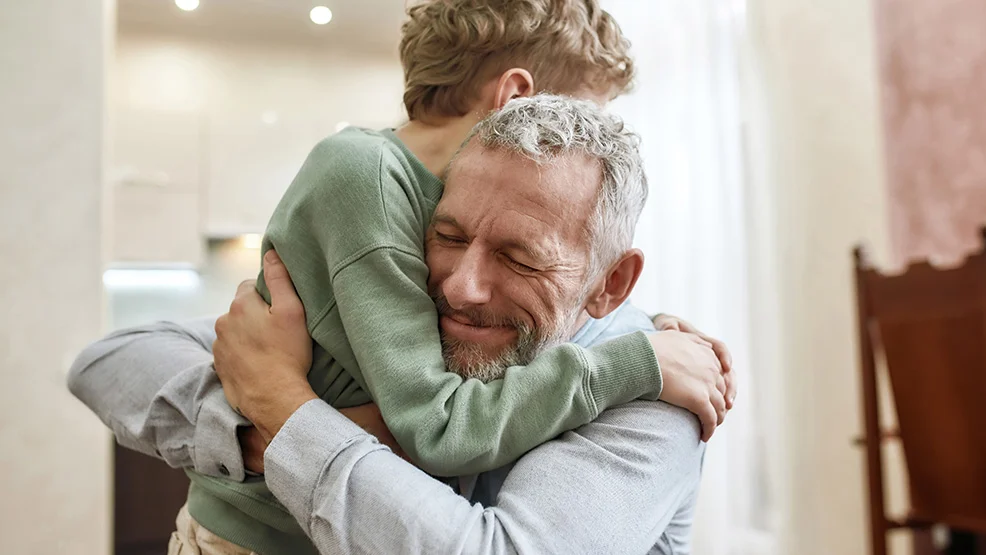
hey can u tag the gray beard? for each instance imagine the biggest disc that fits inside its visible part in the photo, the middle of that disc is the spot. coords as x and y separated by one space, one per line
530 343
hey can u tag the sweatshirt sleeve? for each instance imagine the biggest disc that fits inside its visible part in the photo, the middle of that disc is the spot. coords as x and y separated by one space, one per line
451 426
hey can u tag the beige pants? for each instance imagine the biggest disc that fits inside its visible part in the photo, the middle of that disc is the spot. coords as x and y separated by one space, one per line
192 539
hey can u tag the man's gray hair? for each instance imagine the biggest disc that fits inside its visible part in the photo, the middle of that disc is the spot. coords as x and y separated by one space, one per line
545 127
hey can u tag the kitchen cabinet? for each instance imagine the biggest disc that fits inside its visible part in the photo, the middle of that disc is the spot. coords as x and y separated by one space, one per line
155 187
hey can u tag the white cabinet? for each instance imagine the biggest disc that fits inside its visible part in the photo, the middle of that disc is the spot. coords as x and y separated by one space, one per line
156 187
259 138
251 160
209 133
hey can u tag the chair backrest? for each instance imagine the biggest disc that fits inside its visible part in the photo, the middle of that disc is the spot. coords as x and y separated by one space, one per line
930 326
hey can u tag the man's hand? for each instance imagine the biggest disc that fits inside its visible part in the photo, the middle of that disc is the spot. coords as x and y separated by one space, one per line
693 377
263 353
665 322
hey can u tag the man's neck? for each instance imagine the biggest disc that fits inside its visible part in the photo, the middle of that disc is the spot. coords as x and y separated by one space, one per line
435 143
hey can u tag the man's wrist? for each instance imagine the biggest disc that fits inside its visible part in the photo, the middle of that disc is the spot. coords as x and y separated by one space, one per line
270 413
252 445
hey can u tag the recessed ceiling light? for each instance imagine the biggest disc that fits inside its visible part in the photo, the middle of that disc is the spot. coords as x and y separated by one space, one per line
187 5
320 15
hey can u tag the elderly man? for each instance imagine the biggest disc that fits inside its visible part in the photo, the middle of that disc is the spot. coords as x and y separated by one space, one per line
555 179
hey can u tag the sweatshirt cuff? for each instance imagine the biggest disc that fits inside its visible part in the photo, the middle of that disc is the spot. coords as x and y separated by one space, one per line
297 457
217 449
622 370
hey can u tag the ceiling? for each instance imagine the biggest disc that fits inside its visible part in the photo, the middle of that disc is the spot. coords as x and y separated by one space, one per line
365 26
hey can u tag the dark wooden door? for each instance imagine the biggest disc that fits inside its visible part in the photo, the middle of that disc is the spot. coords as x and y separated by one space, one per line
147 495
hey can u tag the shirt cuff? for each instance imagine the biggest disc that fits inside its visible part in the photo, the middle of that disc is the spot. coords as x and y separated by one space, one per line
217 449
305 446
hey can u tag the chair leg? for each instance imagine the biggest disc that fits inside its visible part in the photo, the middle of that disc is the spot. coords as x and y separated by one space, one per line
924 543
962 543
878 537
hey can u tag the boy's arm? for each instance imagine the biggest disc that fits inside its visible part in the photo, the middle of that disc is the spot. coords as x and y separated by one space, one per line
353 218
611 486
154 386
451 426
348 219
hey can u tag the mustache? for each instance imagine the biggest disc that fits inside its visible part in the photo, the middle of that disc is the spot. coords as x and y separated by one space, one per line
477 316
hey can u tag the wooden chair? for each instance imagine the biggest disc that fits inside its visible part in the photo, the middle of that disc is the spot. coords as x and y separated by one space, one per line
929 325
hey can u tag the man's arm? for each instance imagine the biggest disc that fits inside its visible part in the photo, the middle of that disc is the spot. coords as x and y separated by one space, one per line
611 486
155 387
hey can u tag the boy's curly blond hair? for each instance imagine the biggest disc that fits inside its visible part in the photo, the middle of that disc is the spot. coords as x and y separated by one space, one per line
450 48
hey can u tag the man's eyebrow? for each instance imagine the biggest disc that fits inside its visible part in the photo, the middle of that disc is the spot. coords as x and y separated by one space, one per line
536 254
444 219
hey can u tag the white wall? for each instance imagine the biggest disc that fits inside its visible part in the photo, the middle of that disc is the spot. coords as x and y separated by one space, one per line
817 144
251 112
224 266
54 459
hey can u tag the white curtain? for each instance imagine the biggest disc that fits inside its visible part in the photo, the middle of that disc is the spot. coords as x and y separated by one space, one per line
687 108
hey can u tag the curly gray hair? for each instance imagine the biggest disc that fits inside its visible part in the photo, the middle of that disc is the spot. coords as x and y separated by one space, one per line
544 127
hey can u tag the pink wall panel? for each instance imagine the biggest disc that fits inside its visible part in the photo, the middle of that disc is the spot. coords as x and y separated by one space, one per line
933 72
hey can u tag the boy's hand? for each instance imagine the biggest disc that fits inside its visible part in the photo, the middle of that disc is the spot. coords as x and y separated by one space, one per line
692 376
665 322
262 353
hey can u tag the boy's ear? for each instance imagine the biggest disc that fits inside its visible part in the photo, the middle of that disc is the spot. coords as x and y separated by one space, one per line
513 83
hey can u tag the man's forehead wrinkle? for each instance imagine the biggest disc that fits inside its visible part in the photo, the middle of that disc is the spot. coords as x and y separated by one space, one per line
537 199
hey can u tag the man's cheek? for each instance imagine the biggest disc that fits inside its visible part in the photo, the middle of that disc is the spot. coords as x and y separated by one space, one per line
439 264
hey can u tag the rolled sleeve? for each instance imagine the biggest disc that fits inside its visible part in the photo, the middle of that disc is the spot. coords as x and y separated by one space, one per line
306 445
216 445
155 387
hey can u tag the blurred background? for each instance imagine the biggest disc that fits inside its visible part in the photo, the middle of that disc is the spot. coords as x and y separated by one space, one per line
146 142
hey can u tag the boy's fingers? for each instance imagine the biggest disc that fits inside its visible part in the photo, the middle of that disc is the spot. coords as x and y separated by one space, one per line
708 417
720 405
723 353
730 378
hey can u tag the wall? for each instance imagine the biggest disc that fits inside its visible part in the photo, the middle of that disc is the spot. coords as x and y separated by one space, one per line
253 109
933 67
225 265
54 463
818 167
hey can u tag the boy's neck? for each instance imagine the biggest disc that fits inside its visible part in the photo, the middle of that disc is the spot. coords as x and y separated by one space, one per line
434 143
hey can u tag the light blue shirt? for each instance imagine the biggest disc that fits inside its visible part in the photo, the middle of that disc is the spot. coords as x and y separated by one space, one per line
624 483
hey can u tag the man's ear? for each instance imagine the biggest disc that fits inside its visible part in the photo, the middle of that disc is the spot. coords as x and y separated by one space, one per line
513 83
615 286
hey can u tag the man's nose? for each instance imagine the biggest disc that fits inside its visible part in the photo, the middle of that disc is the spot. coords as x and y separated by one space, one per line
469 283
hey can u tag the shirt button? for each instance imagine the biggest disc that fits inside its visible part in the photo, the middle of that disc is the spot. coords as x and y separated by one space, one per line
223 470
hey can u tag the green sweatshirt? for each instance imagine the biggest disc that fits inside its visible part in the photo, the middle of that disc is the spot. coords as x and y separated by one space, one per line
351 231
